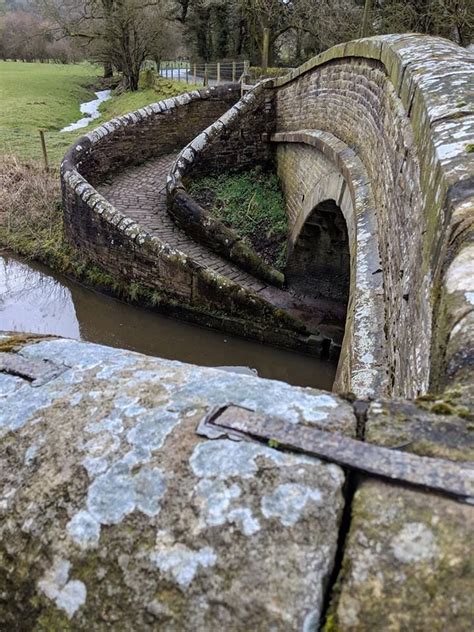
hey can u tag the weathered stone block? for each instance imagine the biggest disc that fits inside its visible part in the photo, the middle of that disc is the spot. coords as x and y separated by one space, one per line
408 563
118 514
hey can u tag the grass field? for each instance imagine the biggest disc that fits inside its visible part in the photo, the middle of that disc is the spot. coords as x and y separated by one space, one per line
47 96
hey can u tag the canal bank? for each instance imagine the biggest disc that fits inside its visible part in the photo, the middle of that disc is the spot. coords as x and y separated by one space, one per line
36 299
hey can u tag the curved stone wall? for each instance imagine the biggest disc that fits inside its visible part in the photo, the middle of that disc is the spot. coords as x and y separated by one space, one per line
124 249
237 140
402 104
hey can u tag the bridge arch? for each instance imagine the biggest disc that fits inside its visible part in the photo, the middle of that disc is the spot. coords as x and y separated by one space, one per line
315 167
319 260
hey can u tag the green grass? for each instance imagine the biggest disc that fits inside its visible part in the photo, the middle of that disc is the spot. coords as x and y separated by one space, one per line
251 203
47 96
130 101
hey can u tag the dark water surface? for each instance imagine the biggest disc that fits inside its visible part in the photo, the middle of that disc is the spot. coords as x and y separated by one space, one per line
34 299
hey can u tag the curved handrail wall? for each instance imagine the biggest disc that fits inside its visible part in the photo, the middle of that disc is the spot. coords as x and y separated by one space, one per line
123 248
402 102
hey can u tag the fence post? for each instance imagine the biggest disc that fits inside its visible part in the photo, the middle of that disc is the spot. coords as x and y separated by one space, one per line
218 72
206 75
233 71
43 147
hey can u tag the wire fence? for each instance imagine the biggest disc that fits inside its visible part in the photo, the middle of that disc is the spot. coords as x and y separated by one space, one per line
206 74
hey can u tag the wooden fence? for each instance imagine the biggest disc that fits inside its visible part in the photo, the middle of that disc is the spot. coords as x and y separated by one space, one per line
212 73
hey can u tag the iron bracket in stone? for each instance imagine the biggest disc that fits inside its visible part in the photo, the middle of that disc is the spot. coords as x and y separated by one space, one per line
38 372
447 477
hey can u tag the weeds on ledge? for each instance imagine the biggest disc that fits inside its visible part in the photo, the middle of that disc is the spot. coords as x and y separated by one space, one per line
252 204
31 222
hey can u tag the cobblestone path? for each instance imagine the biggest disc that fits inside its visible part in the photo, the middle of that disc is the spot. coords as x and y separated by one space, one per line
140 193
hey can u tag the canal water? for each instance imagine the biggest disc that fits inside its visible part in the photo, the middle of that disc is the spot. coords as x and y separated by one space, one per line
90 109
34 299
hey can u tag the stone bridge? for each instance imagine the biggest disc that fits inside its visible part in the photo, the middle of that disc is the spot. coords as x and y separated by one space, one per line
372 141
116 514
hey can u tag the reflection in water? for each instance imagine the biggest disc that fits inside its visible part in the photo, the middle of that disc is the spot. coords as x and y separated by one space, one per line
34 299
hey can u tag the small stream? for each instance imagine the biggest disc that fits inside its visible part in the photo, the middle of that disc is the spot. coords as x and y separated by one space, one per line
90 109
34 299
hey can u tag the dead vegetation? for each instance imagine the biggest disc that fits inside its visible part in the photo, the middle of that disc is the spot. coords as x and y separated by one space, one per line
30 209
31 225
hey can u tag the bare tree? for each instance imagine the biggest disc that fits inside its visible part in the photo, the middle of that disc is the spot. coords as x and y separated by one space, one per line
24 36
118 33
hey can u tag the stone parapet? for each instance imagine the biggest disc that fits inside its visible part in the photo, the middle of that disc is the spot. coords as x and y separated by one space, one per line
116 513
403 103
237 140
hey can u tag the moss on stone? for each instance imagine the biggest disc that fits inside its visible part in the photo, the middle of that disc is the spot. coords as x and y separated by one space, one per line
442 408
331 624
409 570
17 341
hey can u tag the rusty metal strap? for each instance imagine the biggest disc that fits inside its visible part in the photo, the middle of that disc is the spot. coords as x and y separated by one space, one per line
450 478
37 372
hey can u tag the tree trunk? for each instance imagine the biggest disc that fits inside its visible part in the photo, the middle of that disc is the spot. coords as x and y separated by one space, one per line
365 26
108 70
265 48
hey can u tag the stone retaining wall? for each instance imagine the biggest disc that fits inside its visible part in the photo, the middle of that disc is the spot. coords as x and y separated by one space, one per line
125 250
152 131
236 141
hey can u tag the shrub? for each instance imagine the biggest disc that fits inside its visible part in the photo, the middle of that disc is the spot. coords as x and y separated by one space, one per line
252 204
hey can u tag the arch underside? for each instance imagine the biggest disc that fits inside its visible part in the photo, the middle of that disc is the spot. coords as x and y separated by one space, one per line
319 263
323 197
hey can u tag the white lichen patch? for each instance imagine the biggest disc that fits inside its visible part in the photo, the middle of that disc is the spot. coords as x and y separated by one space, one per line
183 563
115 494
221 501
224 458
275 398
216 499
150 487
84 529
21 404
9 384
288 501
152 430
31 453
68 595
460 275
414 543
